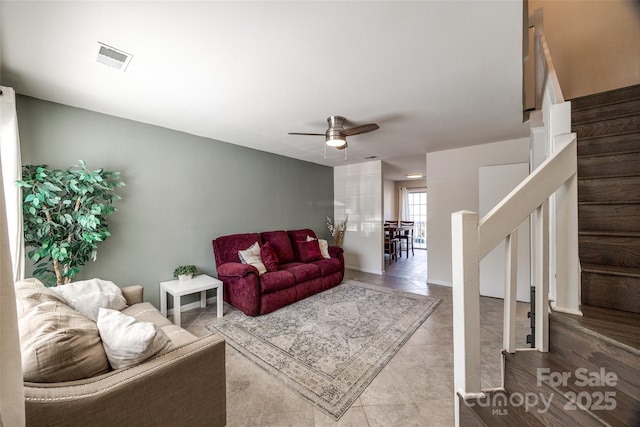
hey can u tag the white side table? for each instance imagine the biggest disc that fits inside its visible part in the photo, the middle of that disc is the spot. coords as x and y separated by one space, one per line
200 283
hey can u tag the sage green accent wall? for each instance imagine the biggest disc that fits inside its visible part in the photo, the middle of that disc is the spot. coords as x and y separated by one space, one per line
182 190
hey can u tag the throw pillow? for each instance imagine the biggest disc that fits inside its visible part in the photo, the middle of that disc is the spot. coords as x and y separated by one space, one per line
31 292
59 344
251 256
269 257
309 251
127 341
324 246
87 296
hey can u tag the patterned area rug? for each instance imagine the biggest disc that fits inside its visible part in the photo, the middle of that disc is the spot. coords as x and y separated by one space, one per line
329 346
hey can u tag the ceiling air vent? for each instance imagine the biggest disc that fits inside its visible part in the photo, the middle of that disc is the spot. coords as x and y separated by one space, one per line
113 57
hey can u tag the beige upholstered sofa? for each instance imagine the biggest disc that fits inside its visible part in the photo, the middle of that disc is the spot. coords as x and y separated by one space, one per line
183 385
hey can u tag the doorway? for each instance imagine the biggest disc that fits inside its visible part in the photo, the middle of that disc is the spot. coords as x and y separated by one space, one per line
418 214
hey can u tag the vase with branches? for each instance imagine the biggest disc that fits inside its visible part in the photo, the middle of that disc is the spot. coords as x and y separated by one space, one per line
337 231
65 217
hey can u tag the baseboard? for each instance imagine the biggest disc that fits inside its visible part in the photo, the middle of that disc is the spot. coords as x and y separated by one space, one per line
565 310
439 282
191 305
363 270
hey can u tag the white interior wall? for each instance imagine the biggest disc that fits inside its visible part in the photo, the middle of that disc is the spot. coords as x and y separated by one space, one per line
453 185
358 193
594 44
390 203
495 182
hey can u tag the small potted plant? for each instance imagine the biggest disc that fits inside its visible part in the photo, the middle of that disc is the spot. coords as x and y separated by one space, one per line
185 272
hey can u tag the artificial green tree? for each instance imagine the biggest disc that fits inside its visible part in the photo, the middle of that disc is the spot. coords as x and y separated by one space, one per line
65 217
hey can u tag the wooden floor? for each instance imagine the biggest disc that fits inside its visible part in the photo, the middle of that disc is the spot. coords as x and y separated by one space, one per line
408 267
622 326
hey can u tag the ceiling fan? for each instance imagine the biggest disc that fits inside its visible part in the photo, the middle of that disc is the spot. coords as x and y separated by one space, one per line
336 135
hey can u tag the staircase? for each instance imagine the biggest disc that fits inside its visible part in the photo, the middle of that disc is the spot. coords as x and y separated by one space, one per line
591 374
608 129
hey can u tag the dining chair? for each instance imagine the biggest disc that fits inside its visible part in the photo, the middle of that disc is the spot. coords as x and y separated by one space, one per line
391 244
406 236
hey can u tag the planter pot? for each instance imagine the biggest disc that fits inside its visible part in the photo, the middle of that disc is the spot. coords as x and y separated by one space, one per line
183 277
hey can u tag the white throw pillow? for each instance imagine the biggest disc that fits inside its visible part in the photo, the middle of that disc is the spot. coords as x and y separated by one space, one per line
127 341
324 246
252 256
87 296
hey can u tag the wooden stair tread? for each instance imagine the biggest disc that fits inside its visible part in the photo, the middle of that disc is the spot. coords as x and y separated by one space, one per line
606 98
604 233
611 269
610 247
609 144
623 175
608 218
608 127
623 189
618 175
615 165
616 153
620 109
607 178
612 202
618 327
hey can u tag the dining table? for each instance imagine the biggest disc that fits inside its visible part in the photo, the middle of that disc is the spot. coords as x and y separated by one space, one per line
395 230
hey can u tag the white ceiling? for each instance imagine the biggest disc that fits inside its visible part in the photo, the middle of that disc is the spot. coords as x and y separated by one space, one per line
433 74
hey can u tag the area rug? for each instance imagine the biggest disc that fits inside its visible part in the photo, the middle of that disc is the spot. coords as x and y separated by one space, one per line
329 346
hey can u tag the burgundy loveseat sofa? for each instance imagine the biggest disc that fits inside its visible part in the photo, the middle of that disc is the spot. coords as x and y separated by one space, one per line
289 280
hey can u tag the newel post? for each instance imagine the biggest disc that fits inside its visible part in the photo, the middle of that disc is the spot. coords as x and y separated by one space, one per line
466 305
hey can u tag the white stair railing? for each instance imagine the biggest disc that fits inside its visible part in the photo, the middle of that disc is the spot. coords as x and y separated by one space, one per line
472 240
537 198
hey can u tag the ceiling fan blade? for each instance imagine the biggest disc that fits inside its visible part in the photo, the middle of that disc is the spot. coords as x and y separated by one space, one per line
302 133
360 129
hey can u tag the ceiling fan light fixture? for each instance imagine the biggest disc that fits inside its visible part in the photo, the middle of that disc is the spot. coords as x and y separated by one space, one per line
336 135
334 138
336 141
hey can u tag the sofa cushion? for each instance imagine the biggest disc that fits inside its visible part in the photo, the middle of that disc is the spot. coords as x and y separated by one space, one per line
146 312
308 251
269 257
281 244
251 256
225 248
178 336
277 280
31 292
87 296
328 266
128 341
59 344
302 272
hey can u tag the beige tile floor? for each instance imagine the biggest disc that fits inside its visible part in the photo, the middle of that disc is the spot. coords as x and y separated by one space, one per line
414 389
